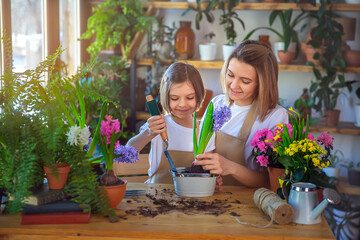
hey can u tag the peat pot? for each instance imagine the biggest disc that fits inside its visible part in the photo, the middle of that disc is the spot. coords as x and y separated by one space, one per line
193 184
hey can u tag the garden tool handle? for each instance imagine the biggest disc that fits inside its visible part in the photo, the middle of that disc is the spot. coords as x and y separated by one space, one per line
154 110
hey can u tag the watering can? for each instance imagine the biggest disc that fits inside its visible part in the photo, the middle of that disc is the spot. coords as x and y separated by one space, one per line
304 200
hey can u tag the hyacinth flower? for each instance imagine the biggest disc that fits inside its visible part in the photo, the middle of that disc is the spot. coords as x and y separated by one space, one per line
213 121
112 150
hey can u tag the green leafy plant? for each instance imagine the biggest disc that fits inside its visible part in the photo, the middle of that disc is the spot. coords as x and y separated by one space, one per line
115 23
227 19
209 36
329 79
288 25
200 12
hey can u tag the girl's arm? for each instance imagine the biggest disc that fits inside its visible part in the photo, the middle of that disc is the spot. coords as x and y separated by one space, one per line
156 125
217 164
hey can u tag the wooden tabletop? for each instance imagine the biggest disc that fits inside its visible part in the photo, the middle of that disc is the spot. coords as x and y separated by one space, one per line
185 222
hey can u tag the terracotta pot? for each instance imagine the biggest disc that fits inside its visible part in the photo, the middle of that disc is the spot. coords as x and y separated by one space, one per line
332 117
57 182
309 53
115 194
185 41
274 174
352 58
286 57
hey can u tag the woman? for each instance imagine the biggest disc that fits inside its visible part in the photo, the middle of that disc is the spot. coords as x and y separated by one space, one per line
249 79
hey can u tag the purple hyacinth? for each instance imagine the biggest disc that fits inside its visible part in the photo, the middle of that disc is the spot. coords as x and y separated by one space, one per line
86 146
126 154
221 115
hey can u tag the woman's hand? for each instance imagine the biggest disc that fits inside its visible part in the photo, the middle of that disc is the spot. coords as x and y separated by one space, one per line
214 162
157 124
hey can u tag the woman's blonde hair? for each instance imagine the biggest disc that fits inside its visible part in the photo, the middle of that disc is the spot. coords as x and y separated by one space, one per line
178 73
262 58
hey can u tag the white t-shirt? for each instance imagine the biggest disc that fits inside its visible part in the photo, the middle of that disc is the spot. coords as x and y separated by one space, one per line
238 114
180 138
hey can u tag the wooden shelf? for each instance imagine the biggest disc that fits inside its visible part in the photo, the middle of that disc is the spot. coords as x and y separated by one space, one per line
347 128
256 6
343 186
217 64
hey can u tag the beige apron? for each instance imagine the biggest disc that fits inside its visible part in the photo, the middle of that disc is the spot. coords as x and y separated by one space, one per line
180 159
232 147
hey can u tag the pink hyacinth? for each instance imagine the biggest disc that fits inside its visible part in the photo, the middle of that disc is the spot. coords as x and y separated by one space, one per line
263 160
326 139
109 126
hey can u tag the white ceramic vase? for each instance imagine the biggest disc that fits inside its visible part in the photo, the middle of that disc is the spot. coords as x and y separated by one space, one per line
332 172
227 50
207 51
357 115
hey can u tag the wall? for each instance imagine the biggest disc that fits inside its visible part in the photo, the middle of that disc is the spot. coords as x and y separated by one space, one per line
290 83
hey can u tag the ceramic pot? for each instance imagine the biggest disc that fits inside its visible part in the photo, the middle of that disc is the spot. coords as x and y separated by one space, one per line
332 172
57 182
309 53
274 174
278 46
185 41
352 58
193 184
357 115
332 117
286 57
207 51
115 194
227 50
354 177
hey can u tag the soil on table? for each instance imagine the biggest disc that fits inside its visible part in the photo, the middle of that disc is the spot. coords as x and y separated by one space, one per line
165 200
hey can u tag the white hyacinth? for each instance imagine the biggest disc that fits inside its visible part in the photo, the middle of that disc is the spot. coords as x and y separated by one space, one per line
77 136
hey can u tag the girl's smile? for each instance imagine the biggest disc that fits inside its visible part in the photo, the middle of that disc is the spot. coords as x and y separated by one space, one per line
182 103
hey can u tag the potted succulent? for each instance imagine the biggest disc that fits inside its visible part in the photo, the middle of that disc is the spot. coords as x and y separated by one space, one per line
115 23
330 79
288 34
207 49
227 20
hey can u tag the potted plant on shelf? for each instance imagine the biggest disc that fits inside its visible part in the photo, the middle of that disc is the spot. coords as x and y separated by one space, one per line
336 161
357 108
227 20
288 34
329 79
115 23
207 49
200 12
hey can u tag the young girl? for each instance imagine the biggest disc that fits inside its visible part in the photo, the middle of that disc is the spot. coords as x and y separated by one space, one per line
181 94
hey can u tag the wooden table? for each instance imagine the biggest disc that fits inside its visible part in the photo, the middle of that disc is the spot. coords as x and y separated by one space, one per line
174 224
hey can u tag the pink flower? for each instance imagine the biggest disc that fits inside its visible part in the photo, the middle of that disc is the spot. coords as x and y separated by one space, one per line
310 137
109 126
326 139
262 160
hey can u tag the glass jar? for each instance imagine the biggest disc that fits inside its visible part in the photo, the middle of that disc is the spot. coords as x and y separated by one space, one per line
265 39
184 41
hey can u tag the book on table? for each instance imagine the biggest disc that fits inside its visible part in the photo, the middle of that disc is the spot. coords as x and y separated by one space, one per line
55 218
44 195
58 206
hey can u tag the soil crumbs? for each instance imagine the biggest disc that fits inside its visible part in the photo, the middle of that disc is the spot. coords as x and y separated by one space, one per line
173 202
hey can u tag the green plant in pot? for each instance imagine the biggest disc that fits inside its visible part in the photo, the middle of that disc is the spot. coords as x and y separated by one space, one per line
227 19
288 34
115 23
329 79
200 12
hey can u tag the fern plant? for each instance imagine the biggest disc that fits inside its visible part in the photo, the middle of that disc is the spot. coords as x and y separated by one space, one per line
32 134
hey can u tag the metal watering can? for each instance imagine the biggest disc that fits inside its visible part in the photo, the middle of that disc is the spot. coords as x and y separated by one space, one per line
304 200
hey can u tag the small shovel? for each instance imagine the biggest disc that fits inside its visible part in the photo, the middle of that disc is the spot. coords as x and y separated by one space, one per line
154 110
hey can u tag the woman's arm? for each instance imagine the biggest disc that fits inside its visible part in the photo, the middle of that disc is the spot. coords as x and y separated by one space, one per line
156 125
217 164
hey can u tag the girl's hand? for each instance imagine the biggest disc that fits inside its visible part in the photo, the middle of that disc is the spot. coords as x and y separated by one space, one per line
214 162
157 124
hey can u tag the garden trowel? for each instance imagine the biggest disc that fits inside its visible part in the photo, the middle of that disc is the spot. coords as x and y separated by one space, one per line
154 110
